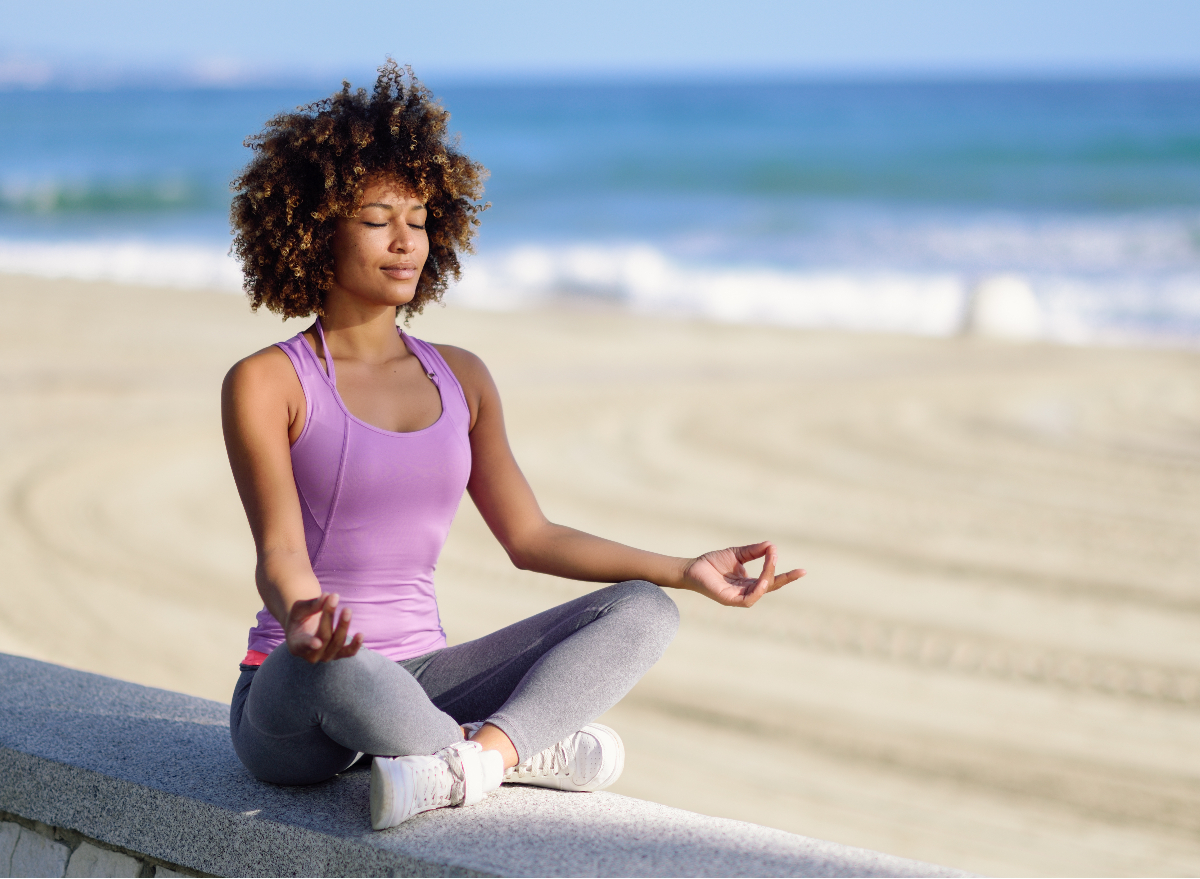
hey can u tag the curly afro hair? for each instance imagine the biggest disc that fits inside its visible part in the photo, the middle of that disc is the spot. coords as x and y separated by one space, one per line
309 170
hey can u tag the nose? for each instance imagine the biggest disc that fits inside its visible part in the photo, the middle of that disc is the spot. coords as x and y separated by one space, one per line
405 240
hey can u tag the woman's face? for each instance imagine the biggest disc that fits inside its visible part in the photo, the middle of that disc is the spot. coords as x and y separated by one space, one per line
378 254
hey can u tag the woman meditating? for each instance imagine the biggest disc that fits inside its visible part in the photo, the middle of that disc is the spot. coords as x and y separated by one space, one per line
352 444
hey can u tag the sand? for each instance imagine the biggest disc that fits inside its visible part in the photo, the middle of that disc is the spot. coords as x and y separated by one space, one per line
993 664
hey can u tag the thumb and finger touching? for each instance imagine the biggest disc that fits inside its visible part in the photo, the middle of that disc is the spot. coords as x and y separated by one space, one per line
326 637
752 551
740 589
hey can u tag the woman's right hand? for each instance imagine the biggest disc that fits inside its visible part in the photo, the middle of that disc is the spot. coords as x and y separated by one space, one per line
316 633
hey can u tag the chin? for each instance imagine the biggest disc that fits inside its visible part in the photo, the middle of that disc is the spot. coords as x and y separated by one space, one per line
393 297
398 298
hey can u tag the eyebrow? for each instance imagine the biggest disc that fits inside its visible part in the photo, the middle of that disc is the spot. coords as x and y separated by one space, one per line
389 207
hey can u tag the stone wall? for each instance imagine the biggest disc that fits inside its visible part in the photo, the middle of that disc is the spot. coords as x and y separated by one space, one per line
30 848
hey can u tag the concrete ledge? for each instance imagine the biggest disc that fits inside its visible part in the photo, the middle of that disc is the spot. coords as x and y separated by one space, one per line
152 772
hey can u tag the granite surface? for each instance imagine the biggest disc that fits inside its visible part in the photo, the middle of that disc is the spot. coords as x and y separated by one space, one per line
153 771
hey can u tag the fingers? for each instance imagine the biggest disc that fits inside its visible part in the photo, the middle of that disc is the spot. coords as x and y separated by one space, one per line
337 643
301 644
302 610
312 650
301 631
351 648
323 639
766 581
754 551
767 577
325 626
752 590
783 579
327 639
763 584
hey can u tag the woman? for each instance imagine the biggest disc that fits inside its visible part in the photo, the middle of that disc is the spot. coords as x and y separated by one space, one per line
351 445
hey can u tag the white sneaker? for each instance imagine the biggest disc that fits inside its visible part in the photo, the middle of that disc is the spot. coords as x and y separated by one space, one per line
588 760
460 775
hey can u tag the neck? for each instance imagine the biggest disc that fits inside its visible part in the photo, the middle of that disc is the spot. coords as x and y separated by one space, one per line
358 332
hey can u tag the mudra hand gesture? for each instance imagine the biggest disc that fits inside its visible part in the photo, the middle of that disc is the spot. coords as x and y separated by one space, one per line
316 633
721 574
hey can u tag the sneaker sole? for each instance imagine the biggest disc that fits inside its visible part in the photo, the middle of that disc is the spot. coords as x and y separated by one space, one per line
383 796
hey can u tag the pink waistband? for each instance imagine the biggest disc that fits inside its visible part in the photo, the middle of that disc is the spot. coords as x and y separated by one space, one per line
254 657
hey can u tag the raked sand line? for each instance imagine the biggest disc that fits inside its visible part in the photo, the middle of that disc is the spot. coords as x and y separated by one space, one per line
964 653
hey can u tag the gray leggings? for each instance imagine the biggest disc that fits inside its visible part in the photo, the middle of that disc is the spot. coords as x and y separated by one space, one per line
538 680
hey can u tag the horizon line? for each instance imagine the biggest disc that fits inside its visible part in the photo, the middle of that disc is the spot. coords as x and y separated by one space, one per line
155 78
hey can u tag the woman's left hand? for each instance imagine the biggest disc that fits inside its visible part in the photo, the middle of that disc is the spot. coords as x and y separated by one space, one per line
721 575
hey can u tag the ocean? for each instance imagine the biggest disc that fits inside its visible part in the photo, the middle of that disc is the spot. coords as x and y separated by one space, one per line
869 206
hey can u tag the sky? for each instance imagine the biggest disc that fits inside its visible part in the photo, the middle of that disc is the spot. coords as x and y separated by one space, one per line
230 40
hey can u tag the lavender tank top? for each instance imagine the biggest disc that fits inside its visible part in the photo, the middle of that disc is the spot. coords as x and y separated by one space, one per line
377 505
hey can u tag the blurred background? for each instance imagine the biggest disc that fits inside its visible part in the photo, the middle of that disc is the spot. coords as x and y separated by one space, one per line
911 287
862 165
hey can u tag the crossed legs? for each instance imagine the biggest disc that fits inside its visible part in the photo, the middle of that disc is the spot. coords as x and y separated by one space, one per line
535 681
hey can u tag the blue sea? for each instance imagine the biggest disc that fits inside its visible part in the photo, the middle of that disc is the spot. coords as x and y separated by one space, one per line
872 206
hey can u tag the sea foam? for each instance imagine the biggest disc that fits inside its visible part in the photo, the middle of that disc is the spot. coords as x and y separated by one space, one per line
1073 308
150 263
646 280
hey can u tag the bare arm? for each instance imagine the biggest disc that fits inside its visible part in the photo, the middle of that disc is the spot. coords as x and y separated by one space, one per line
262 409
509 507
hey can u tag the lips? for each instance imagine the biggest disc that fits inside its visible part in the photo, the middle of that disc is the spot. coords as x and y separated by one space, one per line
400 273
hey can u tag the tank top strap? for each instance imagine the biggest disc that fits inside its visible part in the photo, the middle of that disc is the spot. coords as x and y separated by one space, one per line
439 373
319 385
326 356
304 361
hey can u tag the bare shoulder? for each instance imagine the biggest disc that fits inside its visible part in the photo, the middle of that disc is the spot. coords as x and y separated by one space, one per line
473 377
268 371
468 368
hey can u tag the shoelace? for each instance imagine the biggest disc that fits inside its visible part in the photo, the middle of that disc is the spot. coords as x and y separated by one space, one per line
435 786
452 758
552 761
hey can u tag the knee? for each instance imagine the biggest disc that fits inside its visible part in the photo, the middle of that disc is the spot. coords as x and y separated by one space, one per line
339 683
654 610
288 686
283 664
